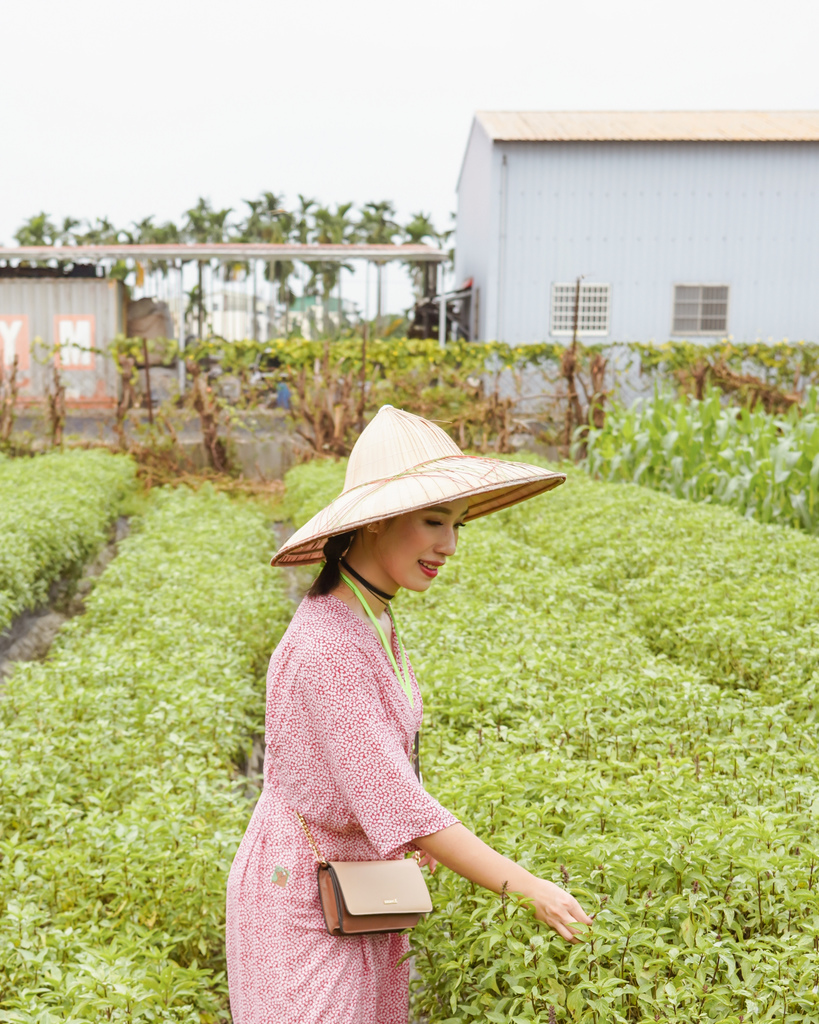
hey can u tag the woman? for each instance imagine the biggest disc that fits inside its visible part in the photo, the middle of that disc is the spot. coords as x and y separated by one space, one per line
343 710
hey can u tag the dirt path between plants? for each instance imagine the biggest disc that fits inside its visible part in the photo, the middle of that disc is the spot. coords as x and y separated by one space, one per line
32 633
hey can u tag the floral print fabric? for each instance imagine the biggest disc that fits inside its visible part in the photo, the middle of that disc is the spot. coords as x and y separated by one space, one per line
339 731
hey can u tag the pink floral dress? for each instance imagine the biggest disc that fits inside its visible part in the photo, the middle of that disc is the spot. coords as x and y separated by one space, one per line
339 731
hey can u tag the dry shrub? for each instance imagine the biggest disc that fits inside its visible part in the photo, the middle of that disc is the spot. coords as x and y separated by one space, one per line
8 398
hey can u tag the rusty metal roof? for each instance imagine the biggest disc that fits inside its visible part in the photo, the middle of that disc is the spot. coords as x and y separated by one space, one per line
227 251
650 125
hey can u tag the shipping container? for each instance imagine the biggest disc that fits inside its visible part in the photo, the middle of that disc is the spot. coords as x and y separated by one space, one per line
67 324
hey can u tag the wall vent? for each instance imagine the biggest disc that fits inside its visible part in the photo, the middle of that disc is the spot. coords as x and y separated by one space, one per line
593 313
700 309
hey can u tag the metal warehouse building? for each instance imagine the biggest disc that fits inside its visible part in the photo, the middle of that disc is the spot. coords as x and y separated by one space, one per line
682 224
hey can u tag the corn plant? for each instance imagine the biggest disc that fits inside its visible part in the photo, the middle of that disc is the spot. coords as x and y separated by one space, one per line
622 693
764 466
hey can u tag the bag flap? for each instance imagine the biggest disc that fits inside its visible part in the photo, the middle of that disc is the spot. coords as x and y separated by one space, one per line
382 886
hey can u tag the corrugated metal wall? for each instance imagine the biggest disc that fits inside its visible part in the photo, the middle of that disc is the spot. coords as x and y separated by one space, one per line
476 228
646 216
81 316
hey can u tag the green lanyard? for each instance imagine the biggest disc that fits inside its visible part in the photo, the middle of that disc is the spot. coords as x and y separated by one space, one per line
404 679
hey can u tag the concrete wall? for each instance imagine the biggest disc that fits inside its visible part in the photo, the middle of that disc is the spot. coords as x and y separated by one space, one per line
644 217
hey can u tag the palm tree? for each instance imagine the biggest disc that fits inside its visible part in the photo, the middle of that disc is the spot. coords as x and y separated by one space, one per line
66 234
269 222
280 229
419 229
303 228
376 227
37 230
147 233
103 232
204 224
302 232
332 228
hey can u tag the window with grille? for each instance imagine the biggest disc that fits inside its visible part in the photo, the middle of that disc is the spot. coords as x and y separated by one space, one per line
592 314
700 309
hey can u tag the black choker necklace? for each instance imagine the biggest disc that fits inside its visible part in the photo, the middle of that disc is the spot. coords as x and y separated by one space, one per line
378 593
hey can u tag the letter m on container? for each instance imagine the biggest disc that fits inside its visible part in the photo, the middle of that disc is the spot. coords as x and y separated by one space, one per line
74 340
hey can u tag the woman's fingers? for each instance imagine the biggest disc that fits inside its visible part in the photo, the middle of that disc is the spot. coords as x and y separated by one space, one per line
575 913
565 933
568 928
561 911
579 913
429 861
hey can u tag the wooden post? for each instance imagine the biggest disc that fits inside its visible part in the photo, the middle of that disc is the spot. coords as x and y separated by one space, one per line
576 312
148 382
574 414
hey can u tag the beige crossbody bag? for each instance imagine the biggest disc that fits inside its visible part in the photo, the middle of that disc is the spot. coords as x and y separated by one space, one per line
363 896
359 897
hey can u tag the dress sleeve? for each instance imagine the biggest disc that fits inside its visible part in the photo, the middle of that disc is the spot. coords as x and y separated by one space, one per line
364 752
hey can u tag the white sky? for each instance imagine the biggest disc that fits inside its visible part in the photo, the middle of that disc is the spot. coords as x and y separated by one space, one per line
137 109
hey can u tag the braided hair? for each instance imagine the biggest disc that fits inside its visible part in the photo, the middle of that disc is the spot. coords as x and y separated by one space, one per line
330 576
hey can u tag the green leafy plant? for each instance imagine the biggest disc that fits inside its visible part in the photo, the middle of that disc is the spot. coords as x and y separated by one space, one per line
119 812
621 694
55 511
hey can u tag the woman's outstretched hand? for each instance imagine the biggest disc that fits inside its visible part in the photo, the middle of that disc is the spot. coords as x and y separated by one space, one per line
557 908
461 850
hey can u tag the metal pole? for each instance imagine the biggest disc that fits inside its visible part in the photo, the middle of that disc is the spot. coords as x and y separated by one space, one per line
200 312
181 363
340 303
499 327
442 311
255 320
271 299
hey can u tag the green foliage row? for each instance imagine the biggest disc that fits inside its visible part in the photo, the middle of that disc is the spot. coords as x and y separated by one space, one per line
118 814
55 511
778 363
764 466
782 364
621 693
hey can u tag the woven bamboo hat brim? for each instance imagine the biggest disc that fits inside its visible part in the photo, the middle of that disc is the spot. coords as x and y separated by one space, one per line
402 462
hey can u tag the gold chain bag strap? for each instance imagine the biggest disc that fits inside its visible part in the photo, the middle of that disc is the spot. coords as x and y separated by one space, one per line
359 897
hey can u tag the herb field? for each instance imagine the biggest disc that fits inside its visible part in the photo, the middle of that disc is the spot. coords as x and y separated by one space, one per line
119 816
764 466
621 692
55 511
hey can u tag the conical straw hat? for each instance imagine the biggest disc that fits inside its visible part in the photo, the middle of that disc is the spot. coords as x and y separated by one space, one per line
402 462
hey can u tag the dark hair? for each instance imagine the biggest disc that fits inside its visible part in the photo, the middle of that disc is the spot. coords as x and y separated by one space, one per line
330 576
